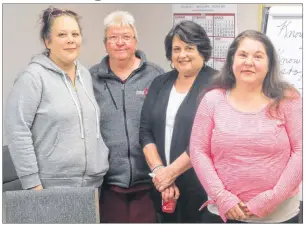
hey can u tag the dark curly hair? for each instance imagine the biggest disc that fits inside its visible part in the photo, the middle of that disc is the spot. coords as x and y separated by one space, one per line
191 33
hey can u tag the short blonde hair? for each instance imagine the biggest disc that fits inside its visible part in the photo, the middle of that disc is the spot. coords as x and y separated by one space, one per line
119 18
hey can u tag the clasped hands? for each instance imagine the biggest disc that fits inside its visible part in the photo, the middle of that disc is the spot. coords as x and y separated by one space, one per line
164 183
239 212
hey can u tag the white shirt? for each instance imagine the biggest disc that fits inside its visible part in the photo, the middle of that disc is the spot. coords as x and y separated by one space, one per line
175 100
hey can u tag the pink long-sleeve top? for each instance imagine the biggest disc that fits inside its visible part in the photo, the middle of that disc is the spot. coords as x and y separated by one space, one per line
248 157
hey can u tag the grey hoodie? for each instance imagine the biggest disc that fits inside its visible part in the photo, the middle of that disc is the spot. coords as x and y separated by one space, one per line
53 128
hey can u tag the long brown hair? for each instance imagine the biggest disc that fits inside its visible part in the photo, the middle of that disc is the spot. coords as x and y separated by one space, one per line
273 86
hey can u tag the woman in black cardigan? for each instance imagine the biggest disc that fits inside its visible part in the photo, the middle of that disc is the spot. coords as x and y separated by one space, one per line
167 118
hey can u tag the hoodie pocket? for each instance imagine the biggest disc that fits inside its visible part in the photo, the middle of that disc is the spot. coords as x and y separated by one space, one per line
54 145
97 159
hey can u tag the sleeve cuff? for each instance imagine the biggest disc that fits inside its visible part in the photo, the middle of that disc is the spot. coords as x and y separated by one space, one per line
263 204
30 181
145 142
225 202
188 151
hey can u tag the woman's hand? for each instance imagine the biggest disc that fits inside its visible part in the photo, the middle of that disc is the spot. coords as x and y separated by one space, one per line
37 188
171 192
164 177
245 209
236 213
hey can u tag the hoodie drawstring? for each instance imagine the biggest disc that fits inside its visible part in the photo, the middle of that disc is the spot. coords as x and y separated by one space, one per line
96 110
75 102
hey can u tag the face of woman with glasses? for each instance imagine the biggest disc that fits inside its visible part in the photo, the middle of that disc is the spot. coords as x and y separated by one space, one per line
251 62
65 40
120 42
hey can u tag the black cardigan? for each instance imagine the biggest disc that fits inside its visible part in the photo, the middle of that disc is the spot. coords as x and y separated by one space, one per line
153 118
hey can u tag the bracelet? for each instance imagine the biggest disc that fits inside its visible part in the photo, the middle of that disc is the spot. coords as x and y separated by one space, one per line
157 167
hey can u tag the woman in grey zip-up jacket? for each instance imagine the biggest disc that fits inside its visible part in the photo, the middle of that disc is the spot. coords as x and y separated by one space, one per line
52 120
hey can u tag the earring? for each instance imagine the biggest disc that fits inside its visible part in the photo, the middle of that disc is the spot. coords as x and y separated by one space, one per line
47 51
172 66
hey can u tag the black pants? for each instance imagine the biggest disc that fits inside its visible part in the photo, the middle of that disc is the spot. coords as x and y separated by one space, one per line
212 218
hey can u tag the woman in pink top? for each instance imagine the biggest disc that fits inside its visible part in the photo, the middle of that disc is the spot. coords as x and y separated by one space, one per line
246 141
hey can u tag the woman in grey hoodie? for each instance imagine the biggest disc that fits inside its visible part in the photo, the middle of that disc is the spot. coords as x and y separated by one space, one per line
52 118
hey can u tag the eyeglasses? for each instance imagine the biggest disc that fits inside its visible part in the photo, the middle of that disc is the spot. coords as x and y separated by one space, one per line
58 12
124 38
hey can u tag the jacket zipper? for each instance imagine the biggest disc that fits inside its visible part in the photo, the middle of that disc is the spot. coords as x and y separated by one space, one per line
110 93
127 134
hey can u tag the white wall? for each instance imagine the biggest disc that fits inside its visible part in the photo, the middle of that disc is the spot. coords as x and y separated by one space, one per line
153 21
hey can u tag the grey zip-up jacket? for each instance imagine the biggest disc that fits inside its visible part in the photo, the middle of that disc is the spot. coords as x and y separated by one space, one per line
53 128
121 105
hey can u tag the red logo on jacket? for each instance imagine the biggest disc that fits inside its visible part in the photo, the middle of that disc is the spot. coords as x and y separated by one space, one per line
144 92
